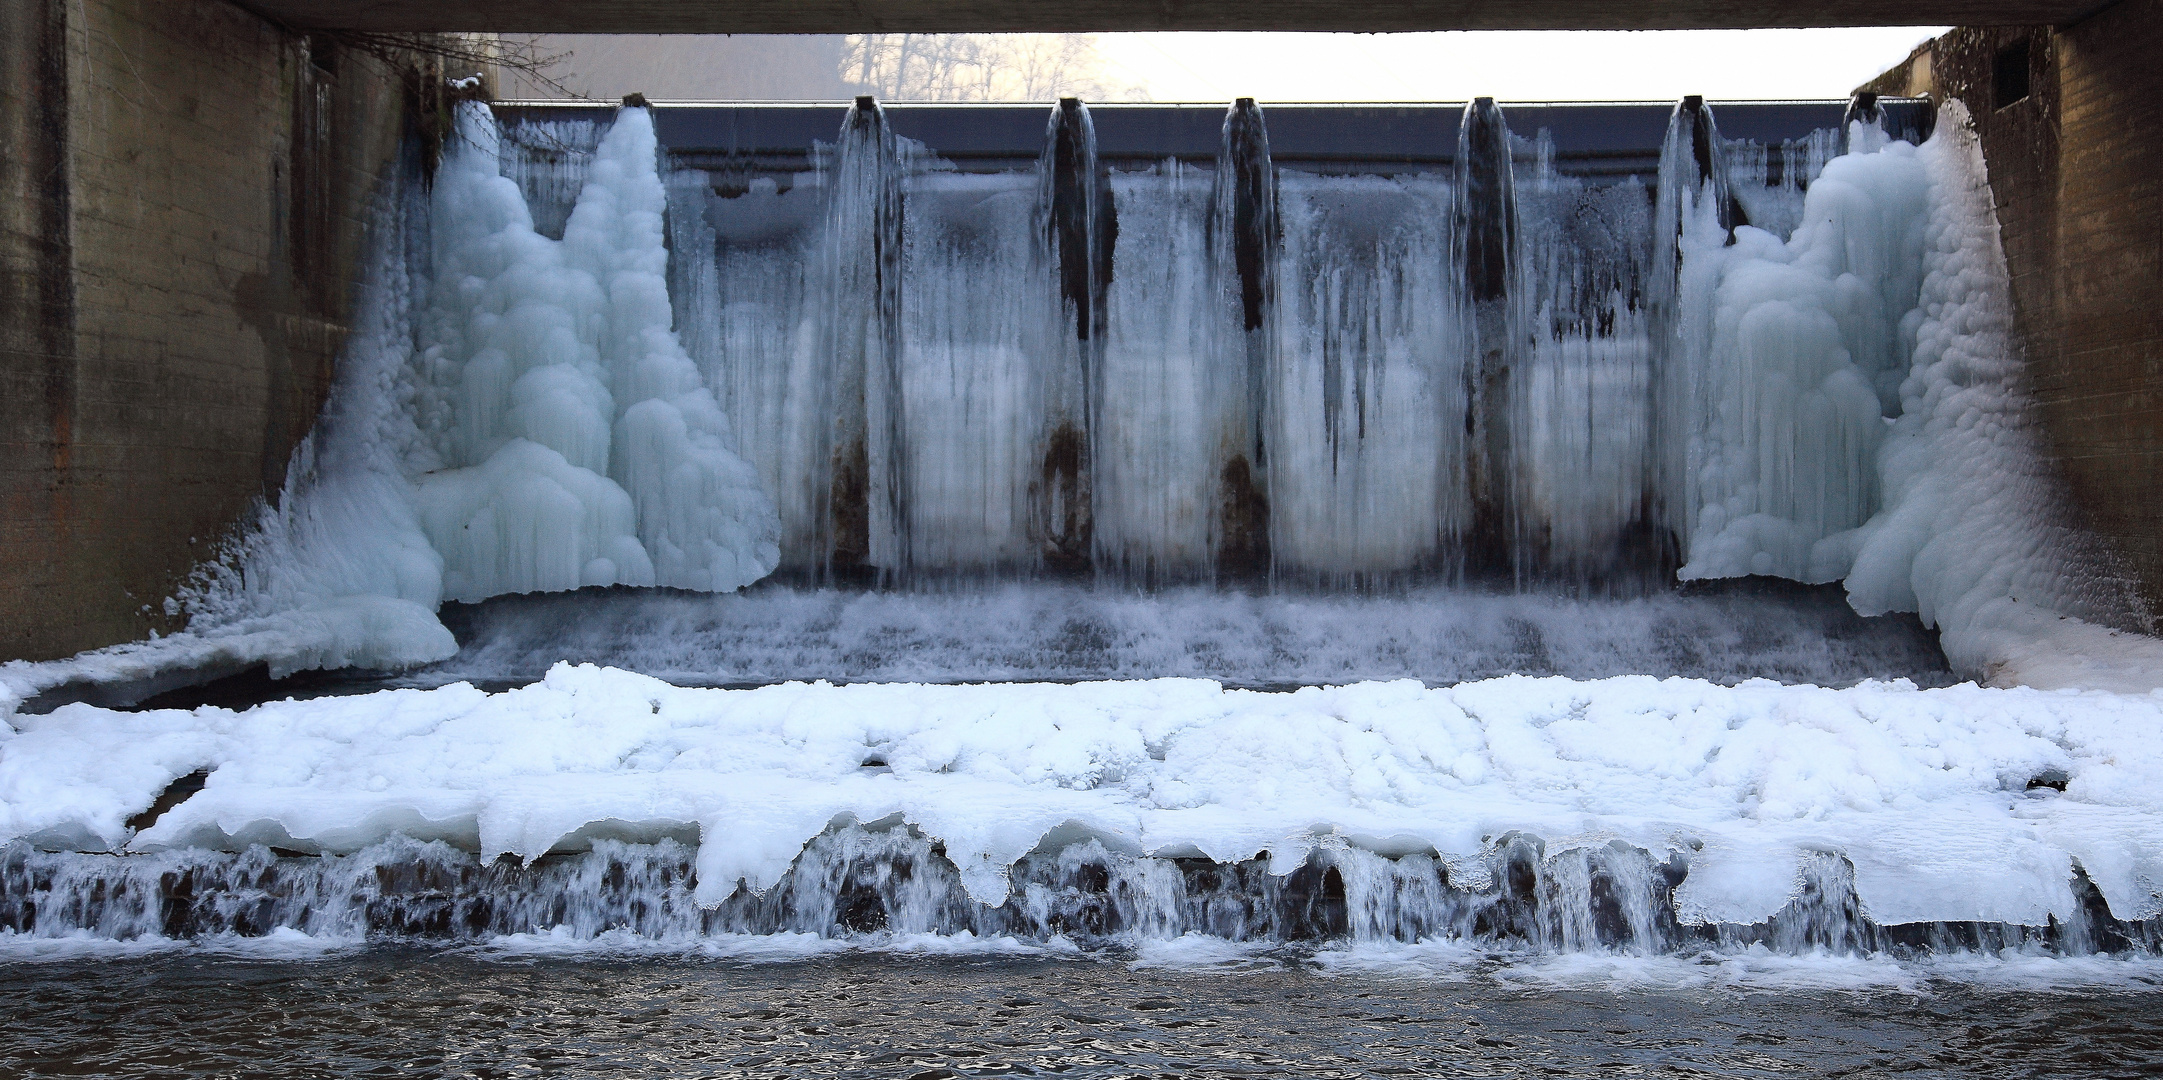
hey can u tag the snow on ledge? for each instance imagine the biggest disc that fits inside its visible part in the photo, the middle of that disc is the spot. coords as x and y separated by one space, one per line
1927 792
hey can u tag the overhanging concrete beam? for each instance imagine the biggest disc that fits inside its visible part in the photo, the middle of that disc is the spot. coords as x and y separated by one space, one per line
991 16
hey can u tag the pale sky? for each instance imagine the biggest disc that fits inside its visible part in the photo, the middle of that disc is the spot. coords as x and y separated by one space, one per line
1517 65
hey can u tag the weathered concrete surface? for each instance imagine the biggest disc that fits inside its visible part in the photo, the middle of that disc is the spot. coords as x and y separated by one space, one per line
2076 166
181 190
1074 16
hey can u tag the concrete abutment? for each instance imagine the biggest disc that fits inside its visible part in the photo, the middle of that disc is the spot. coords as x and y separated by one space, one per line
182 199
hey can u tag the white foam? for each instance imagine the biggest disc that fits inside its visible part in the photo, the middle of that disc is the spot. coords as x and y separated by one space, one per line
1197 952
282 943
776 948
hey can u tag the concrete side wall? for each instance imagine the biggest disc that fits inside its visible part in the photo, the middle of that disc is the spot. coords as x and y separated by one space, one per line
193 182
2076 165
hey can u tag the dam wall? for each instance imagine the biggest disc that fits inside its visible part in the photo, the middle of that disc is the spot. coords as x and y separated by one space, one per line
182 193
2069 118
183 189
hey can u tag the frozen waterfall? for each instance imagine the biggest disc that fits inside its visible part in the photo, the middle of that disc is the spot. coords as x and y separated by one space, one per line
891 367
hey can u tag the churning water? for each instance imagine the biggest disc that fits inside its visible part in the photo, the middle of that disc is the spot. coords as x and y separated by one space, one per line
1722 632
391 1011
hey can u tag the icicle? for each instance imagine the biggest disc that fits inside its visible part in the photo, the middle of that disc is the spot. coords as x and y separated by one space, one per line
867 494
1080 230
1366 394
1486 247
1173 386
1862 126
1691 193
745 275
702 516
986 352
1581 416
1692 123
1247 247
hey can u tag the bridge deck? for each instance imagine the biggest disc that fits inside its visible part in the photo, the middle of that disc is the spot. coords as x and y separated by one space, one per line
985 16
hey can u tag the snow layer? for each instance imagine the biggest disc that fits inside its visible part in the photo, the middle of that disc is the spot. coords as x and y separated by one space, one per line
1926 792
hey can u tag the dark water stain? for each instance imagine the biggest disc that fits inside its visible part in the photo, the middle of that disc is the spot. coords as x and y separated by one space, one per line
1243 523
1064 503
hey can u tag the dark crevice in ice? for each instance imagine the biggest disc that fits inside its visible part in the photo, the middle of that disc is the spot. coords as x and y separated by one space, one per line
175 793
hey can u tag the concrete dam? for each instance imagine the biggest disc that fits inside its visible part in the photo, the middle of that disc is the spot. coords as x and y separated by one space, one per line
1680 529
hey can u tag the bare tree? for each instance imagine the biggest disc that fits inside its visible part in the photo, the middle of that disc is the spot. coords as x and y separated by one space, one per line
685 67
983 67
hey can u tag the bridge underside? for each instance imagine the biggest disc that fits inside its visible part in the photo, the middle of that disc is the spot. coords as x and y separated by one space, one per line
991 16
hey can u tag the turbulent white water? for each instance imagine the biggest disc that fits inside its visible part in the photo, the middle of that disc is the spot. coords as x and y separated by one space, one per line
1039 631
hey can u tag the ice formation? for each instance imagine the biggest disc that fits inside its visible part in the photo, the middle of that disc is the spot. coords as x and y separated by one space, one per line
1305 379
1863 419
1759 396
573 442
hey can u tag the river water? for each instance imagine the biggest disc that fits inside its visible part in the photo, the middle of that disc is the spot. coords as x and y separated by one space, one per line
385 1011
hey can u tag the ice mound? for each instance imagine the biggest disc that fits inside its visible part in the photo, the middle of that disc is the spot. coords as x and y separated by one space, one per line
1864 419
371 632
573 440
1973 536
1788 354
1947 803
